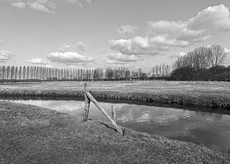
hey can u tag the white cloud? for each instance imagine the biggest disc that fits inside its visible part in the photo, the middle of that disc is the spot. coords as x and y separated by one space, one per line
78 2
49 66
227 50
176 30
145 45
89 1
207 23
78 65
64 48
39 6
119 58
128 29
71 1
43 5
81 46
37 61
180 54
5 56
211 19
69 58
18 4
166 34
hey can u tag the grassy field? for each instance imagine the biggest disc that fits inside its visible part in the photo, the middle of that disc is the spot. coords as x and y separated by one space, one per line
31 134
215 95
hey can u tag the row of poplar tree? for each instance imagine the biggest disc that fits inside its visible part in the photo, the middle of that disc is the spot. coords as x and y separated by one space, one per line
44 73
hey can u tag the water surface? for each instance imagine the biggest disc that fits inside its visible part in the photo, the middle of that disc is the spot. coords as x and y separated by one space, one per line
210 129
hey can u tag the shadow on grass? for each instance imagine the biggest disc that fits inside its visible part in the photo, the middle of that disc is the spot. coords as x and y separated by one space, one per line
110 127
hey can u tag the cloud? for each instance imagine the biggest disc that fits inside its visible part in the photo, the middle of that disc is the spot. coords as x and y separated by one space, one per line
49 66
145 45
64 48
78 65
119 58
176 30
89 1
166 34
43 5
207 23
78 2
69 58
227 50
5 56
128 29
40 5
37 61
18 4
180 54
81 46
213 19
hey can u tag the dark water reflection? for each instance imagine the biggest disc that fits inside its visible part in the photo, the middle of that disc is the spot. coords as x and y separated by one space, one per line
210 129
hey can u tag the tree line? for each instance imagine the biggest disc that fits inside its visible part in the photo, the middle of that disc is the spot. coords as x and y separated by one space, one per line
203 63
34 73
160 71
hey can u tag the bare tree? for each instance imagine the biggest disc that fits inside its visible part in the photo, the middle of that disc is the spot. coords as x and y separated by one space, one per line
24 73
218 55
20 73
202 58
8 72
12 73
1 72
28 72
16 73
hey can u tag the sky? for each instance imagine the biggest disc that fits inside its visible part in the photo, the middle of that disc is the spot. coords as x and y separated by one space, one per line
109 33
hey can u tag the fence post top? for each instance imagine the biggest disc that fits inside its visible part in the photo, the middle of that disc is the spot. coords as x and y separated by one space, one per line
85 86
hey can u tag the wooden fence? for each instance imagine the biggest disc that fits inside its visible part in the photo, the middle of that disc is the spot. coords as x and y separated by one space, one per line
89 98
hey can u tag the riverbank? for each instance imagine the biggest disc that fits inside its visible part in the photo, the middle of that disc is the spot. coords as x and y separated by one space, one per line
208 96
31 134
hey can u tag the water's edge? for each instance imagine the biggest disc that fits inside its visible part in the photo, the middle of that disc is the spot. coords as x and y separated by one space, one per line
177 124
176 101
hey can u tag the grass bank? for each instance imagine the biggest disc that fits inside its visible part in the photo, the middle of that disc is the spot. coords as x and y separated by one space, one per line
31 134
214 96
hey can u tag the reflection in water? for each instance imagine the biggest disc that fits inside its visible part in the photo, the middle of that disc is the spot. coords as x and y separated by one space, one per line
206 114
210 129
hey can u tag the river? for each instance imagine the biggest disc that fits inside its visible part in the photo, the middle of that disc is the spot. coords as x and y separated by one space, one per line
209 129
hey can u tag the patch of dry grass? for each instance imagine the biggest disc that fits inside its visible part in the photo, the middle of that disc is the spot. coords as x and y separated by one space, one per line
31 134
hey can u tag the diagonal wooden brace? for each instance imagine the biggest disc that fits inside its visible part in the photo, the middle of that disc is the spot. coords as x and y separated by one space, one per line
91 98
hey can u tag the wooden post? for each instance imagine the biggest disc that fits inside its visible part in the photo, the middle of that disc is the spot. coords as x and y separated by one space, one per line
91 98
114 114
87 105
85 86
